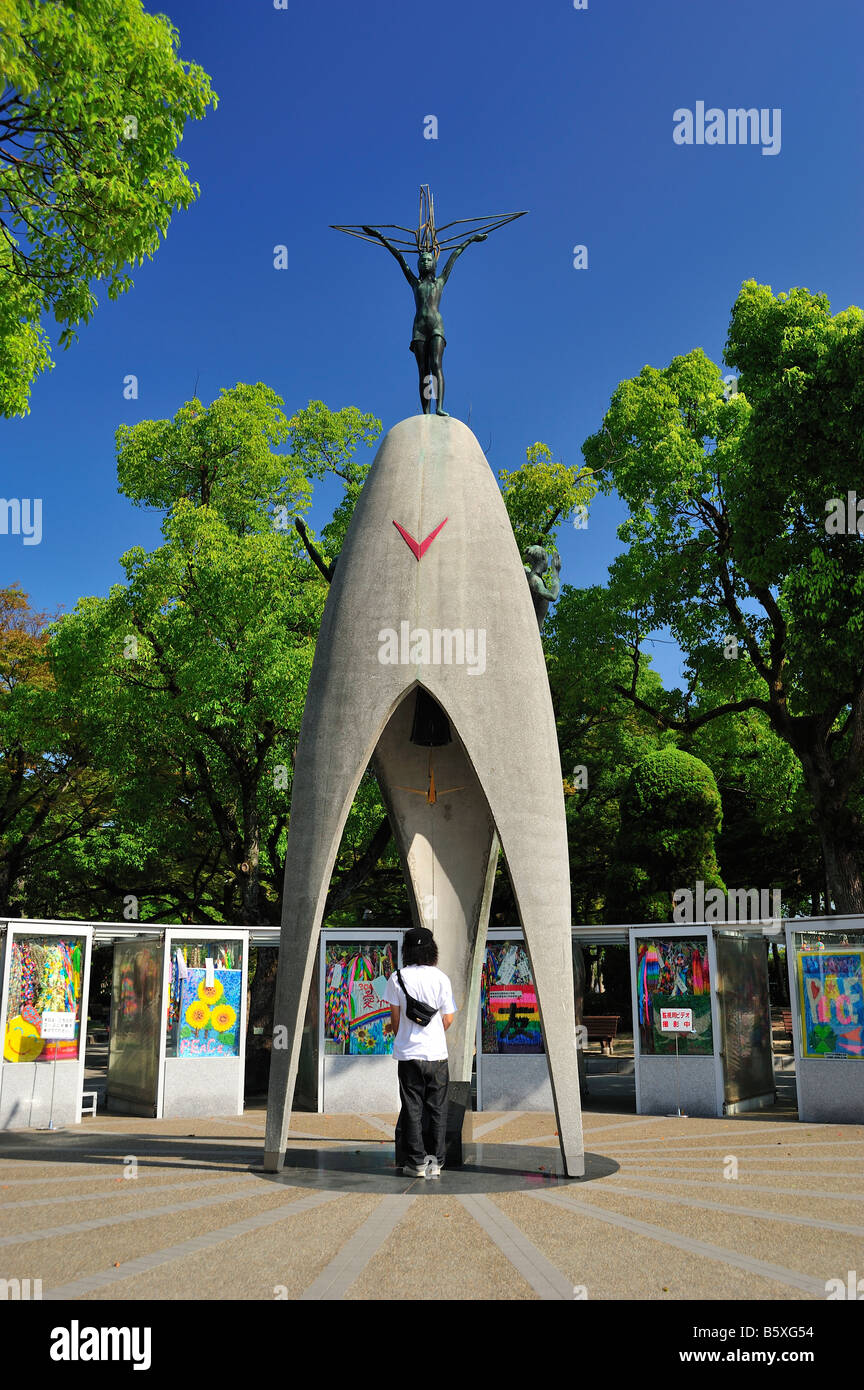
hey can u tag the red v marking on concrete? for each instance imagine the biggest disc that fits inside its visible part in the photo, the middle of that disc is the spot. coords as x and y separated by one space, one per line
418 548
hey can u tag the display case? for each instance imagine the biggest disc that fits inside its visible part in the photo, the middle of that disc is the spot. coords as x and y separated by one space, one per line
720 974
46 971
356 1068
178 1023
512 1071
135 1033
825 957
205 976
744 1012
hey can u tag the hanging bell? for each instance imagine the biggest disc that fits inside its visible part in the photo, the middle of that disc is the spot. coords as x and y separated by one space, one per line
431 727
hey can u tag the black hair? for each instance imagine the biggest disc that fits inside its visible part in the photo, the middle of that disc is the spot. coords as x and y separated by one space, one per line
420 955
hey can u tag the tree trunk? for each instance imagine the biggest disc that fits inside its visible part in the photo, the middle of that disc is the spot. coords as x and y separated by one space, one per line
838 826
248 870
841 848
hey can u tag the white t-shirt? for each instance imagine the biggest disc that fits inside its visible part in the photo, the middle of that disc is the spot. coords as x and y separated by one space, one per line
431 986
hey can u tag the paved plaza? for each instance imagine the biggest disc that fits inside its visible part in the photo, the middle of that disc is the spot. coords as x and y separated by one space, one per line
756 1207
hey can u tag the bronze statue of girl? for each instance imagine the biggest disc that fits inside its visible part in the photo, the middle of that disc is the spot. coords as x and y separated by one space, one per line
427 334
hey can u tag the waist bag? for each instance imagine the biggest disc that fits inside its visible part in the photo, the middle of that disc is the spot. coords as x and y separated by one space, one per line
417 1011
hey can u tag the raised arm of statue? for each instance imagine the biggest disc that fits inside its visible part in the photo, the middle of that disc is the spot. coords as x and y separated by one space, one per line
553 581
454 256
394 252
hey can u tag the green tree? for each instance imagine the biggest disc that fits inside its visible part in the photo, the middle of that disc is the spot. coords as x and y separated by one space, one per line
541 494
768 838
670 815
51 801
600 734
727 539
191 676
93 104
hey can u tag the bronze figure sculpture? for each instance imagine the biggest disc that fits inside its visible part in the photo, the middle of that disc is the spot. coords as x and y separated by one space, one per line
543 591
427 334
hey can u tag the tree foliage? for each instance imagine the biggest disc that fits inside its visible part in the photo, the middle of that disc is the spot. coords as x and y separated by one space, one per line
94 102
543 493
670 814
727 540
51 798
191 676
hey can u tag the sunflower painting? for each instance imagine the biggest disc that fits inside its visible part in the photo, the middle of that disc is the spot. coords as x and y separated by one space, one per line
210 1025
197 1015
223 1018
211 994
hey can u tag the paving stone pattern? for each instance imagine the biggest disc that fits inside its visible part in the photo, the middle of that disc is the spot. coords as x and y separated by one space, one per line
660 1216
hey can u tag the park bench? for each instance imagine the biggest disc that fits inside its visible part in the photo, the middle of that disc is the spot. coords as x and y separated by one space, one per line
786 1018
602 1028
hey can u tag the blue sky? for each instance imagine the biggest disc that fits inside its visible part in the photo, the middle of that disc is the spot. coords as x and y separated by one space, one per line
568 113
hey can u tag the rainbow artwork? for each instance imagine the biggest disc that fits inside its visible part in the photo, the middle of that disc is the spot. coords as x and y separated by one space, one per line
515 1017
831 985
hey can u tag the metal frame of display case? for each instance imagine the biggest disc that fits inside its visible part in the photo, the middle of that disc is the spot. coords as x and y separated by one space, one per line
134 1052
699 1095
170 1069
761 1100
513 1061
334 934
709 1065
830 1089
68 1080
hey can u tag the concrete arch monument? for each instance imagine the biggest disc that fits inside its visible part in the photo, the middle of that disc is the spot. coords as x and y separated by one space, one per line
430 595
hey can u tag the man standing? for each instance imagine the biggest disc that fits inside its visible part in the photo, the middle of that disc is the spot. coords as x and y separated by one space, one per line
421 1053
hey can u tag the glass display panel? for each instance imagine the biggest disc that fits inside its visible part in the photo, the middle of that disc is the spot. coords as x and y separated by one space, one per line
673 973
133 1044
356 1016
510 1017
831 999
745 1016
204 1003
44 978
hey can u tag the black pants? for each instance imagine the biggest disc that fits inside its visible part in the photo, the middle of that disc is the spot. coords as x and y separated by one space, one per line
422 1123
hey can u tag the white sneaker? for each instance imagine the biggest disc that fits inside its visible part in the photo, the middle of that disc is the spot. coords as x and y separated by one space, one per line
433 1167
411 1172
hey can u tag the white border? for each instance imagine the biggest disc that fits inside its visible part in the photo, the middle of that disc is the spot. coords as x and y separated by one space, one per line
214 933
23 927
661 931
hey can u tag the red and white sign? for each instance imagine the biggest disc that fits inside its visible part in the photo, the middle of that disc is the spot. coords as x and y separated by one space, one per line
676 1020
